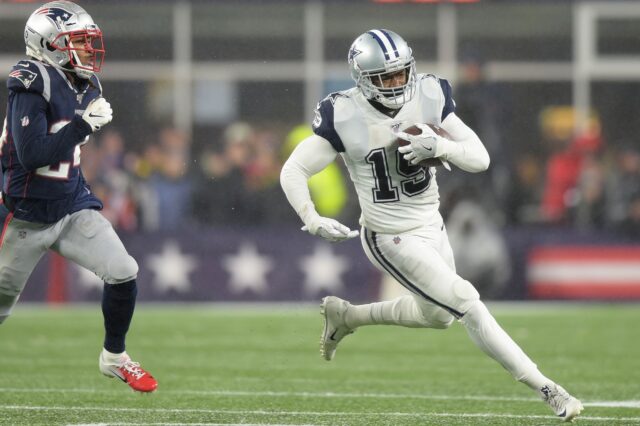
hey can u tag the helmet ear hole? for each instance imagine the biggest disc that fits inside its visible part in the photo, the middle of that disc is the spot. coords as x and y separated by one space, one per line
50 48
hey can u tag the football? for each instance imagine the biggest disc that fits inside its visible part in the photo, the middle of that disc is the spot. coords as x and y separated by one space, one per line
415 130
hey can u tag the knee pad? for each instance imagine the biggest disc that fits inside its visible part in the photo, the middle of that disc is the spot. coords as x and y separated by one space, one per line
466 295
121 269
441 319
434 316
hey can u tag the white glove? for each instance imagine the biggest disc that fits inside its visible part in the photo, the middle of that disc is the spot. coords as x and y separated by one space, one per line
329 229
98 113
423 146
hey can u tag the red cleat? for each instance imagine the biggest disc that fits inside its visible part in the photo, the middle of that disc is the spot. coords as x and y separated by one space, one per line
129 372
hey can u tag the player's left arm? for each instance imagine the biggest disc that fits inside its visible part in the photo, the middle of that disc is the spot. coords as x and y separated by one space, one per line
464 149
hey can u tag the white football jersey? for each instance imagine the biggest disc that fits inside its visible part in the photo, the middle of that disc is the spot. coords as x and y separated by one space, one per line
394 196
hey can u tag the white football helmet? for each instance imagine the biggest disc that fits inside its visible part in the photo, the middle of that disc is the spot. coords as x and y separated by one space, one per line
379 52
49 32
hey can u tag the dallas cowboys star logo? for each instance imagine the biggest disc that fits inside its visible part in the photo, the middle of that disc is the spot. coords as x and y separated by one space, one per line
353 52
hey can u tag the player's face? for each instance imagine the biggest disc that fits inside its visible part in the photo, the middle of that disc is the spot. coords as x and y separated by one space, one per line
392 79
83 45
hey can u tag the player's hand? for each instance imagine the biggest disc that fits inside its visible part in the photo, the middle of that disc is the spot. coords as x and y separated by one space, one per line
329 229
423 146
98 113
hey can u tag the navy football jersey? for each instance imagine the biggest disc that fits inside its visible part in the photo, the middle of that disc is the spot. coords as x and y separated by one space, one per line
41 140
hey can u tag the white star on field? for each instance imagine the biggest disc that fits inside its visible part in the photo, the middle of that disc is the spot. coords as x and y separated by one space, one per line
322 270
171 268
248 269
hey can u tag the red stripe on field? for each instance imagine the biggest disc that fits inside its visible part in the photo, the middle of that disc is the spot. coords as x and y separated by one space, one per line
585 253
581 291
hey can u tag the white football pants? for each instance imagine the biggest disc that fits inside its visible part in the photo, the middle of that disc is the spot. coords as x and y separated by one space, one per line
422 261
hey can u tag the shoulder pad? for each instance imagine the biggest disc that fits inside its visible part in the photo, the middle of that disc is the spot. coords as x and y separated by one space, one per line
323 122
429 85
438 89
29 76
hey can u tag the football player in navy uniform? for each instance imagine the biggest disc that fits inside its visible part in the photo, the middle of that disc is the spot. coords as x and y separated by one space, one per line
402 230
55 103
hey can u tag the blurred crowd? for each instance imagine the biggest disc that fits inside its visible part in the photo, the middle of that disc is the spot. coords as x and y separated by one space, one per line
573 179
229 176
165 185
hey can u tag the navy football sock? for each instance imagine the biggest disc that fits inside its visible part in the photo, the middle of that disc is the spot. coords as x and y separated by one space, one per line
118 303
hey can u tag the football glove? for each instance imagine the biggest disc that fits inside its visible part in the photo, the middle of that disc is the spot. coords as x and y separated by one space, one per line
421 147
98 113
329 229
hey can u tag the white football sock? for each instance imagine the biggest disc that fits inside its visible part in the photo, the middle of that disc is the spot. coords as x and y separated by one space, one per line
495 342
111 358
403 311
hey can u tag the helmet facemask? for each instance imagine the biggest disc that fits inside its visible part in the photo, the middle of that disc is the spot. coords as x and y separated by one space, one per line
372 85
76 44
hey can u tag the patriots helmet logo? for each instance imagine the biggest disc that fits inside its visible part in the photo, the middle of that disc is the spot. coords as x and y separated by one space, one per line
26 77
58 16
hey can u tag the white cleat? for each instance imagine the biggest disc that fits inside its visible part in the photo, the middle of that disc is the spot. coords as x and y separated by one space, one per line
563 404
333 309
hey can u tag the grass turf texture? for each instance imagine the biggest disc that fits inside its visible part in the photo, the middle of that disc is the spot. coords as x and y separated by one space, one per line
244 365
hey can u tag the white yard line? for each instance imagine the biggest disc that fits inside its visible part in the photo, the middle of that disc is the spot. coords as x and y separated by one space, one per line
190 424
601 404
627 420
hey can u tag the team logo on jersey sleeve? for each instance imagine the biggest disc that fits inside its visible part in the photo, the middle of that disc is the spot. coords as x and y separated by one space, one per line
26 77
317 118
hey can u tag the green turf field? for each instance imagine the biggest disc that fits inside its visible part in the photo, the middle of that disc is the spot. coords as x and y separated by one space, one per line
223 365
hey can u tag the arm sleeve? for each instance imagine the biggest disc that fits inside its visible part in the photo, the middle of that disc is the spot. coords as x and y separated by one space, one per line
35 147
465 150
311 156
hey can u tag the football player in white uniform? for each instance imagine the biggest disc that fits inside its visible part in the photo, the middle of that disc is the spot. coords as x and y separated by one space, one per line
402 230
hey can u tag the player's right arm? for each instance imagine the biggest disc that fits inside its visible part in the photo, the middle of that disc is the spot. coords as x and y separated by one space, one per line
311 156
34 146
30 91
